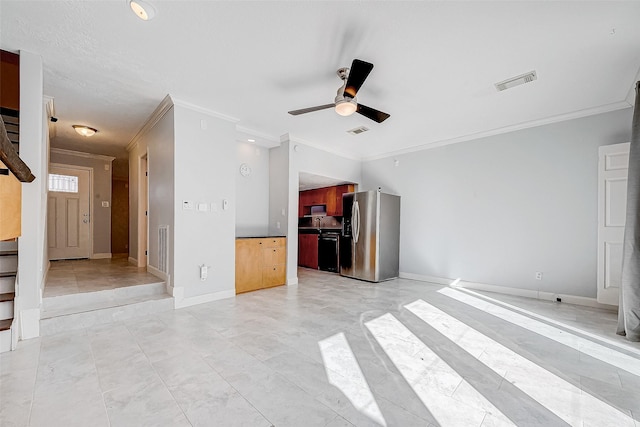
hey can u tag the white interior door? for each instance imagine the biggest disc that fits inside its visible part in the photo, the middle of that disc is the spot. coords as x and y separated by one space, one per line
68 214
612 203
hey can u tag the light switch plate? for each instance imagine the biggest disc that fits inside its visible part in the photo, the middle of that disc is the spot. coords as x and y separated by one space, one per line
105 204
203 207
187 205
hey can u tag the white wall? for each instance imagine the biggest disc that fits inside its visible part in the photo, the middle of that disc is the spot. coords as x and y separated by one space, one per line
205 164
34 151
101 192
157 143
496 210
286 163
252 191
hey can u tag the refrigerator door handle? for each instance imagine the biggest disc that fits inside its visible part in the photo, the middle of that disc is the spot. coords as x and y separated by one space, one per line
356 221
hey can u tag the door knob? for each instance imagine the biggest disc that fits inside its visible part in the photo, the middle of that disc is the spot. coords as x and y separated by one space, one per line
85 221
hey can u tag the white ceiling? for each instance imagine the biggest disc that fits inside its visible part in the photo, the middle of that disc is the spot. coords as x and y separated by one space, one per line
435 65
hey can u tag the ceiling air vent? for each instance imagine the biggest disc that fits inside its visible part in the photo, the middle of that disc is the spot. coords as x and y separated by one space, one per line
517 81
358 130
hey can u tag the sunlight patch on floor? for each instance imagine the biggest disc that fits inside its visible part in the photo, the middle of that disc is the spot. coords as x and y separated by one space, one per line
590 348
343 372
449 398
620 345
567 401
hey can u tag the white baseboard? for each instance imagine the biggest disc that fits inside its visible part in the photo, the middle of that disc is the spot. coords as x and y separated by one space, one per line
101 255
422 278
181 302
159 274
29 323
292 281
505 290
133 261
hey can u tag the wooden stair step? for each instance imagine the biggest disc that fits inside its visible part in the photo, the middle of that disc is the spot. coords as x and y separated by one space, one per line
8 274
8 253
5 324
9 296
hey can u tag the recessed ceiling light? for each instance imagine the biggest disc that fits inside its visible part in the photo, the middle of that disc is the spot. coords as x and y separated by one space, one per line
251 140
85 130
142 9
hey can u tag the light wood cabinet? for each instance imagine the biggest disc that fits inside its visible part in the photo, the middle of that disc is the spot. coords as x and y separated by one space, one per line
10 205
260 263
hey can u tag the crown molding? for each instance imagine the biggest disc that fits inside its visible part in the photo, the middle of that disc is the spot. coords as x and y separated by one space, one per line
631 96
82 154
295 140
203 110
165 105
507 129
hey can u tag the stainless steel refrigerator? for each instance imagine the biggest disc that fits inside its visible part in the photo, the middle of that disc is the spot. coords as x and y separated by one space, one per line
370 238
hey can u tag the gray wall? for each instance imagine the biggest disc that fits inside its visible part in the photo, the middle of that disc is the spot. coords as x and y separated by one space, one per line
496 210
101 193
205 163
252 192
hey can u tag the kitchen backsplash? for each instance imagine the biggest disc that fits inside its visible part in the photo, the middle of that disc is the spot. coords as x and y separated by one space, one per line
321 222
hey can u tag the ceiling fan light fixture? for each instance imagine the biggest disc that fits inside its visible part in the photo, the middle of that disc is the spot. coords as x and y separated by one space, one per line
346 107
85 130
142 9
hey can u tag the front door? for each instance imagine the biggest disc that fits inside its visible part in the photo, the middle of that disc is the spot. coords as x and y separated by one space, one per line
612 203
68 214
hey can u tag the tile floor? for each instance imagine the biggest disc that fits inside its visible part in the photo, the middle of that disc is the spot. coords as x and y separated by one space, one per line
333 352
89 275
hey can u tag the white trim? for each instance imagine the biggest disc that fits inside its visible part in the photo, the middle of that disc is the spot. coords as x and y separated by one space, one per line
631 96
421 278
527 293
165 105
299 141
133 261
101 255
81 154
181 302
203 110
50 111
159 274
292 281
520 126
29 323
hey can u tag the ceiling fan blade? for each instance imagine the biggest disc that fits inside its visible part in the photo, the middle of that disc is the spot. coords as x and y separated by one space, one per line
357 75
310 109
370 113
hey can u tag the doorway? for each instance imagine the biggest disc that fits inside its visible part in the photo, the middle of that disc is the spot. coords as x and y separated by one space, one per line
69 219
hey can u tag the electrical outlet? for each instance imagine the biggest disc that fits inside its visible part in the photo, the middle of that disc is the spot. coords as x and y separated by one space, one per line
538 275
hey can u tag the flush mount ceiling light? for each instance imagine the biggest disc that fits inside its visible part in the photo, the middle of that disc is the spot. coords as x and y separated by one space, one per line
142 9
85 130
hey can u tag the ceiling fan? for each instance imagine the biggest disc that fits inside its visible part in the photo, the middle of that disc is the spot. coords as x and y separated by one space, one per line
345 102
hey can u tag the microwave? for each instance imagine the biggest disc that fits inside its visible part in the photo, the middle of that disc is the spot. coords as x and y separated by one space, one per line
318 210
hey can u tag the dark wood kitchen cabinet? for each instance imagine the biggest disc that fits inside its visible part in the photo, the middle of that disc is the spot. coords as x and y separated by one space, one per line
308 250
330 197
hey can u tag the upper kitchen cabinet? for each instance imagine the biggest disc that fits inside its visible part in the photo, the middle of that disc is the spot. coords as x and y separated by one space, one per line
335 208
329 197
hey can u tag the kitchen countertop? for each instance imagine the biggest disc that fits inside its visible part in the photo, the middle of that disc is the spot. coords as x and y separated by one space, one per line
257 237
315 230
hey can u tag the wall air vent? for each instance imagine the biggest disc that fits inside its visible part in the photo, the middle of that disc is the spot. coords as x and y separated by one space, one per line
516 81
358 130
